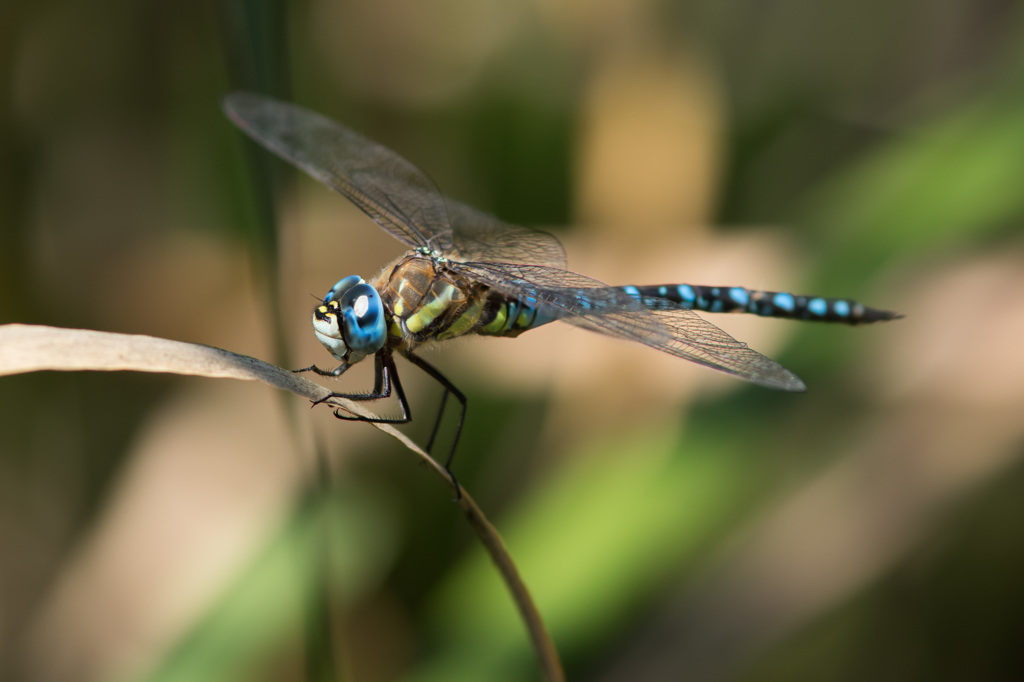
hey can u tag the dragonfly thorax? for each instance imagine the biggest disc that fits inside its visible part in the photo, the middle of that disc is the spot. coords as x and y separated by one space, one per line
431 253
350 322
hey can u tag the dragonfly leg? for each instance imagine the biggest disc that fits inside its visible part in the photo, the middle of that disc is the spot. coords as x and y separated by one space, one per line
336 372
385 377
437 420
449 388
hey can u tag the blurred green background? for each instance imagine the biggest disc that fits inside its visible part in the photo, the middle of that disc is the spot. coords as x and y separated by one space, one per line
673 524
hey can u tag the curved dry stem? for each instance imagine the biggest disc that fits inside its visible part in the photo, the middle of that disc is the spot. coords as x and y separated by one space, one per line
31 348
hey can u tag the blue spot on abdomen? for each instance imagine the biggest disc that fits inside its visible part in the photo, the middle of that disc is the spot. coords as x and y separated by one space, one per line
739 296
783 302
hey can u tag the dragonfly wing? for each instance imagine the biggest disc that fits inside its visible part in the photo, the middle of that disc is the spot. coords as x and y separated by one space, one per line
392 191
588 303
479 236
697 340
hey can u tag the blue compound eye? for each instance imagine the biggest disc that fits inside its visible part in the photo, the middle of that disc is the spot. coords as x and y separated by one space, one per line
341 287
362 318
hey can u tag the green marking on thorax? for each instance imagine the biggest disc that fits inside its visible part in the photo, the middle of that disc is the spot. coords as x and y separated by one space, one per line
428 312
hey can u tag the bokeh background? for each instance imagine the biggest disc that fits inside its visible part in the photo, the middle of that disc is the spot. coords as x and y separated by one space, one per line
673 524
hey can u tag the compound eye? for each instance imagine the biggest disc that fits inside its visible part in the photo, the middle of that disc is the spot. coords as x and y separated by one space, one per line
342 286
362 316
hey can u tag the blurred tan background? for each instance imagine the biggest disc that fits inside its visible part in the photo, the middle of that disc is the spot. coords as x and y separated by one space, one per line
672 523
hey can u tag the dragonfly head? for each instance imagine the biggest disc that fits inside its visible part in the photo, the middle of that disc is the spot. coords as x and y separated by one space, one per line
350 321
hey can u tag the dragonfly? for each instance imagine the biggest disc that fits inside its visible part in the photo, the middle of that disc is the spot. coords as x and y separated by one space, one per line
466 272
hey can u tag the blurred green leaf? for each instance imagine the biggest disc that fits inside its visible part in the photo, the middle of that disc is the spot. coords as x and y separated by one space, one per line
949 183
592 544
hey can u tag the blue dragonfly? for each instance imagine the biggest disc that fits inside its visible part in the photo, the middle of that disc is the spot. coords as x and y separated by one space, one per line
466 272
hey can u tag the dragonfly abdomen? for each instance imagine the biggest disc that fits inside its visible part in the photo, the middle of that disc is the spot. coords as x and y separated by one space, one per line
507 316
765 303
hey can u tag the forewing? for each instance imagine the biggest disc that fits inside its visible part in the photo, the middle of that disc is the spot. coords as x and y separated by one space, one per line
479 236
389 189
590 304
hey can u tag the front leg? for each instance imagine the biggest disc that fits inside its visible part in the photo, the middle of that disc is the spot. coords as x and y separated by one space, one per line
336 372
385 376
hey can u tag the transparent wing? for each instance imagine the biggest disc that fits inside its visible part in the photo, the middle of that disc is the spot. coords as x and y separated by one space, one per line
697 340
479 236
389 189
392 191
588 303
